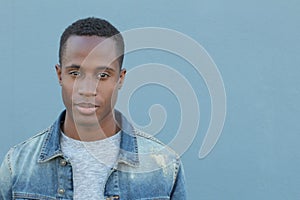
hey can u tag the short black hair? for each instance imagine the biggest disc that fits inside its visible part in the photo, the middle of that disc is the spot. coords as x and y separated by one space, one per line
92 26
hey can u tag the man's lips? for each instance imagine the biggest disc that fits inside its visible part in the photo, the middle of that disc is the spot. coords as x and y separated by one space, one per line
86 105
86 108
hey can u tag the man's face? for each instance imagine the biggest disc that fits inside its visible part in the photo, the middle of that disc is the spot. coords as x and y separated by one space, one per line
90 77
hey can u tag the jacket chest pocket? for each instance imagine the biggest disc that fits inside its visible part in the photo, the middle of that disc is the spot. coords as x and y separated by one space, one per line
30 196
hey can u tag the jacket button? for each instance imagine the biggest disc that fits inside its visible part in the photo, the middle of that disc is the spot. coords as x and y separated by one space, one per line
61 191
63 162
115 197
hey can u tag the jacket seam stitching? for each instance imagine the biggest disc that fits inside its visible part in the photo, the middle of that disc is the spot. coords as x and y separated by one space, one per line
9 161
176 170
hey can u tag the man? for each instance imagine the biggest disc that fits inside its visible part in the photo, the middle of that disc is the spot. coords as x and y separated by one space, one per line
91 151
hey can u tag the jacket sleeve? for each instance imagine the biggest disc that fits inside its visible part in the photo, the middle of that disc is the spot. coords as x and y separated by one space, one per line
6 179
179 190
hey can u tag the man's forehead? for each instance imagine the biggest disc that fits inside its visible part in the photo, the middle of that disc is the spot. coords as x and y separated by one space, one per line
89 42
90 48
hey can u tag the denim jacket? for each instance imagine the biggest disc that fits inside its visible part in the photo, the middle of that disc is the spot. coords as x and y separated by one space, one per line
146 169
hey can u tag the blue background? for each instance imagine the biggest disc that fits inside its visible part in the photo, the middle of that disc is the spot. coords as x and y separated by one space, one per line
255 45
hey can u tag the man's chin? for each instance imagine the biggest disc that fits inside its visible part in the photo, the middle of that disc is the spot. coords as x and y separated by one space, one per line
87 121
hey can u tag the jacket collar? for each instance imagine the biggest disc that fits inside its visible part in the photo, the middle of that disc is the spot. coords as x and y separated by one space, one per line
128 147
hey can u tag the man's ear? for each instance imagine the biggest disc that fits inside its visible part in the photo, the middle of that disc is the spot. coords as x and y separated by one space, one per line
58 72
121 78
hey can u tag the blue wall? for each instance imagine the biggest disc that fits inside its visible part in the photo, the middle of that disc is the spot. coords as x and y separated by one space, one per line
255 45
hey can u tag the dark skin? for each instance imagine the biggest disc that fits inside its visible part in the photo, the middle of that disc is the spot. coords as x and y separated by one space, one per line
90 78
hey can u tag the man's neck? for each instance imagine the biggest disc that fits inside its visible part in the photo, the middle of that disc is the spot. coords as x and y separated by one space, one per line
104 129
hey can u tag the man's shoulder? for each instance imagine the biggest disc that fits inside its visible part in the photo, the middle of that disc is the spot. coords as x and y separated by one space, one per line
148 144
154 156
31 144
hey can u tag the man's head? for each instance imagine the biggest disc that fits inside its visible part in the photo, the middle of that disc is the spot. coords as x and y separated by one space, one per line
92 27
90 72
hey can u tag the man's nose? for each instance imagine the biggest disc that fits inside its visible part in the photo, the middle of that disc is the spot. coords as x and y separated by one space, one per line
87 86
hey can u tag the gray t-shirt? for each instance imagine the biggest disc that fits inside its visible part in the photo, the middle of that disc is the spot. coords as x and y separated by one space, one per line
91 163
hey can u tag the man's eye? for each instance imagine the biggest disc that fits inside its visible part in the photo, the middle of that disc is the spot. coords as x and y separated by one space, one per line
74 73
103 75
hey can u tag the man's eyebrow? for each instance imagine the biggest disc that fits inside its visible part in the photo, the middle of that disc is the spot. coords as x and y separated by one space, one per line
105 68
74 66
